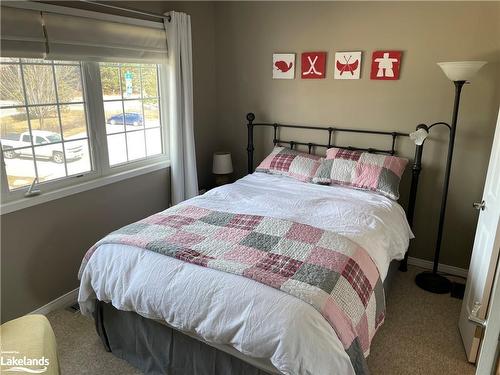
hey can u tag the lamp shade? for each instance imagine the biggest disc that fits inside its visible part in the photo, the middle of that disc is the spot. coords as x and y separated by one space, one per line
419 136
461 70
222 163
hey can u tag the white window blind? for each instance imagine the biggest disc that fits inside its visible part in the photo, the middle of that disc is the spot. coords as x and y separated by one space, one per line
22 33
53 36
81 38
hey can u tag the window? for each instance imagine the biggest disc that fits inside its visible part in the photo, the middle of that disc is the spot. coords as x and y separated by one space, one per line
132 112
42 101
49 131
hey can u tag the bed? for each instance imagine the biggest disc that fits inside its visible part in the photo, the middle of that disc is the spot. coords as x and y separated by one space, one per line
168 316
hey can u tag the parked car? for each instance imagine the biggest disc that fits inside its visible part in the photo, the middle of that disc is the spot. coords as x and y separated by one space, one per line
131 118
12 142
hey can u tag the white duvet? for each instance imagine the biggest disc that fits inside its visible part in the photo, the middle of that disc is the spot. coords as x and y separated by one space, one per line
260 322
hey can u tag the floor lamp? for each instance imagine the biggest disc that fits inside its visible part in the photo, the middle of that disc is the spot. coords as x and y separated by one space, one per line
460 72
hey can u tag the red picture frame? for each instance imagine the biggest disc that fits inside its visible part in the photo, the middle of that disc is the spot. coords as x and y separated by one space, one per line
313 65
386 65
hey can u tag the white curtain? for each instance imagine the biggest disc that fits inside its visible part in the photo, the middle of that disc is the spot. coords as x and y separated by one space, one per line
184 180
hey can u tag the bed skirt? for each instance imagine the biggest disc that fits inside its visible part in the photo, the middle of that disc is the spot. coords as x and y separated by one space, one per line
155 348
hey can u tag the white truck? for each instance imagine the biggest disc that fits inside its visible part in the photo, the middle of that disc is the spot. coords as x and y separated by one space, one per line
14 145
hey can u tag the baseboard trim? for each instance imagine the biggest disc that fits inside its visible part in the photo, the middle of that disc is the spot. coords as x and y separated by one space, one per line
427 264
60 302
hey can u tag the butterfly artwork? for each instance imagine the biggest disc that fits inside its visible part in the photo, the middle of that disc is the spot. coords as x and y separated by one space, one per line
283 65
347 65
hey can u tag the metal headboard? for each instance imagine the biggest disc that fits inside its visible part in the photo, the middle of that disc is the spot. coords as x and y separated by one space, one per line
417 160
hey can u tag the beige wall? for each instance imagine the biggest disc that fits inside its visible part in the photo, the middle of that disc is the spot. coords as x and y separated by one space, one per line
233 44
42 246
248 33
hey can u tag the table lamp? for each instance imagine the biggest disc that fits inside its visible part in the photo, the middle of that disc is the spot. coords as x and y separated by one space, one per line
222 168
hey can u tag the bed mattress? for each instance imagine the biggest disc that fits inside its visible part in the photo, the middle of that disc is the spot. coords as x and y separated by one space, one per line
223 309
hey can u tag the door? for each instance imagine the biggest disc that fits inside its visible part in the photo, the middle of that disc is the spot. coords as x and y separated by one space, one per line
488 361
484 255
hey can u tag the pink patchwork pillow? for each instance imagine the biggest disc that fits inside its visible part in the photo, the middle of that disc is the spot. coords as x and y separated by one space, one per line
362 170
287 162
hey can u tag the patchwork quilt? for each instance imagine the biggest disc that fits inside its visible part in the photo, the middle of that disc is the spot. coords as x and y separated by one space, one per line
330 272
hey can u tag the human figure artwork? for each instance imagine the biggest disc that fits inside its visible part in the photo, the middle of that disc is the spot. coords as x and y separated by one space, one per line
385 65
313 65
283 65
347 65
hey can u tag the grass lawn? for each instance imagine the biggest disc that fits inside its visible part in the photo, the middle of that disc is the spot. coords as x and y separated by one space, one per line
73 123
21 181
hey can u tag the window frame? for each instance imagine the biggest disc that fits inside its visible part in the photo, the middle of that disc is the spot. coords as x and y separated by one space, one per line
101 172
123 166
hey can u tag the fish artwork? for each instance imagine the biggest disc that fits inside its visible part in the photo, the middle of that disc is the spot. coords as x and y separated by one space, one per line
283 66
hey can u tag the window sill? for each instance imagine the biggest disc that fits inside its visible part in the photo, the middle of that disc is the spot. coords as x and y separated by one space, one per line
22 203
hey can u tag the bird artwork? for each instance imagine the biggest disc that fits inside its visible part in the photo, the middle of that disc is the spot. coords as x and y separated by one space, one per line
284 65
347 65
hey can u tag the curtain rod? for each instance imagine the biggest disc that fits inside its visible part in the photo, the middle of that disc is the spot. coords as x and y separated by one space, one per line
154 15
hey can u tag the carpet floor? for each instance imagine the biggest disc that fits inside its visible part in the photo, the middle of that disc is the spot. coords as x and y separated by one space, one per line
420 336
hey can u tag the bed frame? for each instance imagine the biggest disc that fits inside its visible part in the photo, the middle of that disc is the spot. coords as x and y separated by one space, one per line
330 132
156 348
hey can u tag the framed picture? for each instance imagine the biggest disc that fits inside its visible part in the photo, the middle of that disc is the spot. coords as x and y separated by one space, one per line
283 65
347 65
386 65
313 65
